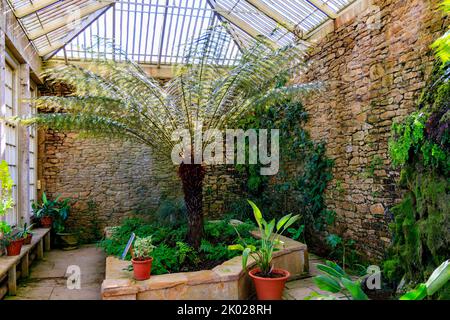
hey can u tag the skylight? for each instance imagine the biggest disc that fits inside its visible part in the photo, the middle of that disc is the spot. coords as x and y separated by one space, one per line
155 32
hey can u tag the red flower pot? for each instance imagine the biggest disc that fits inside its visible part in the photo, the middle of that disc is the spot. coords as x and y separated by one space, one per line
27 240
142 268
46 222
14 247
269 288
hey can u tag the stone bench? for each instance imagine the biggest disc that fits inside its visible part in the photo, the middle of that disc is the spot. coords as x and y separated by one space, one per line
227 281
8 265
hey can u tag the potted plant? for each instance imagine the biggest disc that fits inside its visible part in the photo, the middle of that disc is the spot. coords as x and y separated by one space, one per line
26 233
45 210
142 260
269 281
13 241
65 239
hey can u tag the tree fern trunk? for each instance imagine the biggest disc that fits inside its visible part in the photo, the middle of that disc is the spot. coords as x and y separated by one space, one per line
192 176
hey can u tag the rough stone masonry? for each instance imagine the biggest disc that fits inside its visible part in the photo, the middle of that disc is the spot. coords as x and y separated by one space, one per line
374 67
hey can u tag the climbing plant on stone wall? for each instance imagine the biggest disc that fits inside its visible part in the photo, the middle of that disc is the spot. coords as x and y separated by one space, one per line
305 170
420 147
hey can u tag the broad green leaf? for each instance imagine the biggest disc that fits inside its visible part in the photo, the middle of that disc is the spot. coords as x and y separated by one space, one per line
336 267
256 212
329 270
438 278
355 289
418 293
270 227
245 255
327 284
237 247
282 221
291 221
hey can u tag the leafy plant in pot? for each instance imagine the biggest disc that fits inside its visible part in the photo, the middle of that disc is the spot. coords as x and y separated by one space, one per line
45 211
26 233
142 260
12 240
269 281
66 240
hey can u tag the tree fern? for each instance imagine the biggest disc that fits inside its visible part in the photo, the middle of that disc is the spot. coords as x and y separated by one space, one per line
118 99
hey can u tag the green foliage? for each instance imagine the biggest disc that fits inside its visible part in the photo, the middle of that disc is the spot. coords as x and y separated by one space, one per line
57 209
409 143
343 250
420 228
295 234
143 248
304 172
442 45
25 230
420 147
6 184
171 211
171 252
270 233
334 280
4 227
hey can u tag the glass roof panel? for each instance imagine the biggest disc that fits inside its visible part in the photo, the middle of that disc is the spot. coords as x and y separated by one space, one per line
157 31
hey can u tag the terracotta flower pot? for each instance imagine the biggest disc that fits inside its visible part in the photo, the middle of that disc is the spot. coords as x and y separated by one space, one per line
14 247
269 288
142 268
27 240
46 222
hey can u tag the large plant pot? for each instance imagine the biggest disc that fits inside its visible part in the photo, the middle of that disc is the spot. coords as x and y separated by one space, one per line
142 269
27 240
67 241
14 247
269 288
46 222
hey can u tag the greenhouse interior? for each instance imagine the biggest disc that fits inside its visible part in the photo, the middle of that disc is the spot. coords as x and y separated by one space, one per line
251 150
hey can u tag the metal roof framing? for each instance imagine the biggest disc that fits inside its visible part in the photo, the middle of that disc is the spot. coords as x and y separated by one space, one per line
156 31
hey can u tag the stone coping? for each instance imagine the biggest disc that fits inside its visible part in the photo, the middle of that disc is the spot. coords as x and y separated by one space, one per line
119 281
7 262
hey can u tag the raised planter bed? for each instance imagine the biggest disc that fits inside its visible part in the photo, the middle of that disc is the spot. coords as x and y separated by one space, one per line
225 282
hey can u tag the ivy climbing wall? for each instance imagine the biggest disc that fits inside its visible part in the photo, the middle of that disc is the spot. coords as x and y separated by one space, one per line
374 66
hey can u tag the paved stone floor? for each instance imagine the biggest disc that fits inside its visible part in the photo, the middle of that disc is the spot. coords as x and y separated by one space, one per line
302 288
48 278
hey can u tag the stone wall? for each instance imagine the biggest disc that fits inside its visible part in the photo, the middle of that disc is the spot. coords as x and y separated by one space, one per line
374 67
109 179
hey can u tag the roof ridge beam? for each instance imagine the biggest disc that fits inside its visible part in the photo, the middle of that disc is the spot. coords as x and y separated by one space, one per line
241 24
274 15
52 50
33 7
324 8
61 22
